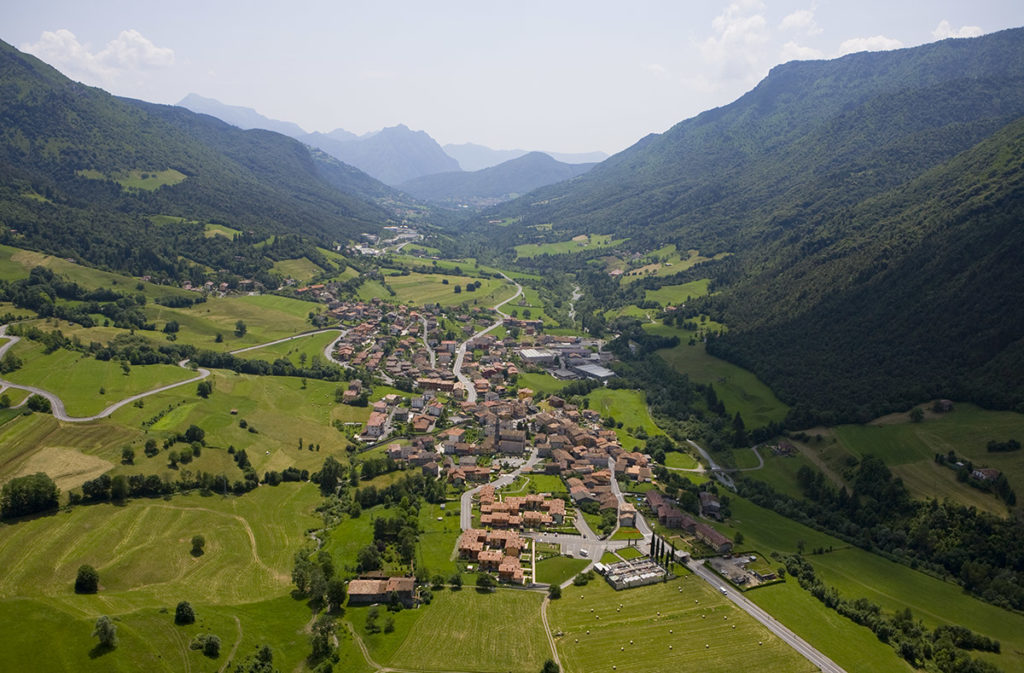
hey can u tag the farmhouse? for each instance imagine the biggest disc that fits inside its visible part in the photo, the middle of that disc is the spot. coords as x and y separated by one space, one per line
379 590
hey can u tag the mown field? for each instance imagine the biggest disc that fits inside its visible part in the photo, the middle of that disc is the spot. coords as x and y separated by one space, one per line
694 631
429 288
674 295
239 587
463 631
559 569
666 261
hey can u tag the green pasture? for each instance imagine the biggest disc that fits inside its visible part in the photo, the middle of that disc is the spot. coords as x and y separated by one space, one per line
144 180
311 346
680 459
679 626
540 383
738 389
629 553
438 538
578 244
666 261
78 378
628 407
429 288
301 269
547 483
627 533
559 569
238 587
16 263
854 648
860 574
211 230
909 449
280 410
266 317
674 295
466 622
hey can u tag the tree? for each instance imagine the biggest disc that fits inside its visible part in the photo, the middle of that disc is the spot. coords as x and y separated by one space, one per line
260 661
87 581
916 415
128 455
554 592
738 538
184 614
195 434
106 631
39 403
335 594
368 558
550 667
119 488
486 581
198 545
240 328
211 646
204 389
28 495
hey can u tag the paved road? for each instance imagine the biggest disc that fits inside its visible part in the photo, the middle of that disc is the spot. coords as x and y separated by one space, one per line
716 470
57 404
466 506
460 354
773 625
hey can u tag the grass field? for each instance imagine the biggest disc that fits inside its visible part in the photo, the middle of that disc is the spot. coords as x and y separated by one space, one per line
680 459
438 538
301 269
424 288
738 389
692 616
909 449
141 551
312 346
666 261
459 631
78 378
674 295
211 230
577 244
540 383
559 569
628 407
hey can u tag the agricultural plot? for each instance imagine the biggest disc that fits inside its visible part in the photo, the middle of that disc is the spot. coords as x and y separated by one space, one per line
439 533
680 459
628 407
499 631
738 389
559 569
87 385
666 261
577 244
211 230
430 288
238 587
909 450
674 295
540 383
311 346
682 625
301 269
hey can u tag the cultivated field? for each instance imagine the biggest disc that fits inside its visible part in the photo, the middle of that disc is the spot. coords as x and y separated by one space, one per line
463 631
694 631
583 242
674 295
239 586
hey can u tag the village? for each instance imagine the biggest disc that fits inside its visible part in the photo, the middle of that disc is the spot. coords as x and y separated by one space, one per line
484 440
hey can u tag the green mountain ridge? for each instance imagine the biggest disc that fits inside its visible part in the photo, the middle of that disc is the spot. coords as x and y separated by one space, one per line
57 136
786 176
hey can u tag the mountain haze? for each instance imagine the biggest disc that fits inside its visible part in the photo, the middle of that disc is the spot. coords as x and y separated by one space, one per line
242 117
497 183
473 157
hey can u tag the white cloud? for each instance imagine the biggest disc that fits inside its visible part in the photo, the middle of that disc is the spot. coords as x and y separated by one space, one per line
791 51
801 20
129 54
657 69
736 49
944 30
876 43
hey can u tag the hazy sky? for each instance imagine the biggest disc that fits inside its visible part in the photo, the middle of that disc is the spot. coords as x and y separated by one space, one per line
558 75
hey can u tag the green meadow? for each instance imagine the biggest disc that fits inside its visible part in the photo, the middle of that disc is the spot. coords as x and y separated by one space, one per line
239 587
669 295
301 269
87 385
682 625
559 569
578 244
628 407
739 390
666 261
480 632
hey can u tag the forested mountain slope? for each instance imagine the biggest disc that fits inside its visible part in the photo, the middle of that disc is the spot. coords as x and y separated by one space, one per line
822 159
82 172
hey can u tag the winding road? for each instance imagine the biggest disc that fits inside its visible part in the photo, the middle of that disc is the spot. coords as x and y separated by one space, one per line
57 404
460 354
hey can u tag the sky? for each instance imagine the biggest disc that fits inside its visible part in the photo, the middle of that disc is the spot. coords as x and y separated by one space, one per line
555 75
